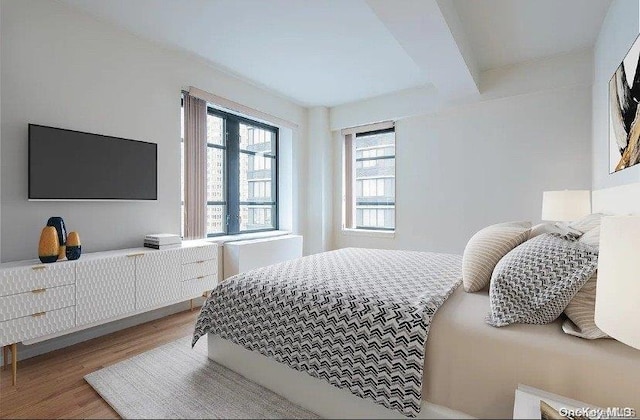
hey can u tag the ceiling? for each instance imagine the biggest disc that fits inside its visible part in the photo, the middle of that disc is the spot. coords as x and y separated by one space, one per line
316 52
330 52
504 32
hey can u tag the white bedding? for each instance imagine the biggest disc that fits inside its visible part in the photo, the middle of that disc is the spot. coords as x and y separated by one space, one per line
475 368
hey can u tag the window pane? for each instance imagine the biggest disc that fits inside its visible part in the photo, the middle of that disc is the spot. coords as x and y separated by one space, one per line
255 217
256 174
215 174
215 219
256 139
374 172
215 130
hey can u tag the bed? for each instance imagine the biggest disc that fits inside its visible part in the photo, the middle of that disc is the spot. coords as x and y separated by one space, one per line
468 368
356 318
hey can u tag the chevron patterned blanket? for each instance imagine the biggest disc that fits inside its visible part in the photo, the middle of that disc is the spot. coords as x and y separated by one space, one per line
357 318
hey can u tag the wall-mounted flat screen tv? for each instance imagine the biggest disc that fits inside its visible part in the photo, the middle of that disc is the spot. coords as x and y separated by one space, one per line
72 165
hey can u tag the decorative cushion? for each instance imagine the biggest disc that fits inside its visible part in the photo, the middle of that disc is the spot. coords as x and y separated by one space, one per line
551 227
582 308
534 283
591 237
581 311
486 247
587 223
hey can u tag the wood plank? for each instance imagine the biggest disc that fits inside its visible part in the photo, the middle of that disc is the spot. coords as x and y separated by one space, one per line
52 385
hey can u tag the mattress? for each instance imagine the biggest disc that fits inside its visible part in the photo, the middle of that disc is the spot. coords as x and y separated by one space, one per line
475 368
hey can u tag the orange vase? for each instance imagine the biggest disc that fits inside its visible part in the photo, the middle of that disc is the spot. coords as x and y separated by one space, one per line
49 246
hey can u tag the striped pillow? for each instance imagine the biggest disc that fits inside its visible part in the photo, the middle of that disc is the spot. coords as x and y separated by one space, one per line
581 311
486 248
582 308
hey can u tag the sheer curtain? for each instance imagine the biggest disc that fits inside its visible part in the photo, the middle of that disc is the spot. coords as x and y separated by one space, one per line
195 167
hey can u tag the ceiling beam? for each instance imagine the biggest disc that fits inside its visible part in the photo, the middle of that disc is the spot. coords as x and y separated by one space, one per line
431 33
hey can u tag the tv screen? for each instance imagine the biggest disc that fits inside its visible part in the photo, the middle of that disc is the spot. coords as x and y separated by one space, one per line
71 165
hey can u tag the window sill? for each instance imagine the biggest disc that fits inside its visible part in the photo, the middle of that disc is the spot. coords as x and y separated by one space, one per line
221 240
370 233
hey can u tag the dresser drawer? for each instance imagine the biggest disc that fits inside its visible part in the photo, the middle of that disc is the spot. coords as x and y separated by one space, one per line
195 287
38 300
39 276
199 253
199 269
39 325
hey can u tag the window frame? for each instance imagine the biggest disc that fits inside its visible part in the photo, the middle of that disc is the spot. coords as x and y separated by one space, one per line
232 163
232 152
225 203
350 167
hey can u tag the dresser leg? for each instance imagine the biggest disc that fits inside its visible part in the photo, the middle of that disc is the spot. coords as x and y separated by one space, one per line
14 362
5 357
191 304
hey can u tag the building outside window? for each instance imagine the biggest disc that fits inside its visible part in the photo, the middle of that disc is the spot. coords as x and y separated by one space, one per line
370 178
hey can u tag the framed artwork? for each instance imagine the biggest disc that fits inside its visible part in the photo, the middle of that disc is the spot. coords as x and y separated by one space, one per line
624 113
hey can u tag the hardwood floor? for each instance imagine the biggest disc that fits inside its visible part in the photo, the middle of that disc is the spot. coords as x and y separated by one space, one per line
52 385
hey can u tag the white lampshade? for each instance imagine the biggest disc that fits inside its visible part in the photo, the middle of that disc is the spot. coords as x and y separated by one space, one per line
618 287
565 206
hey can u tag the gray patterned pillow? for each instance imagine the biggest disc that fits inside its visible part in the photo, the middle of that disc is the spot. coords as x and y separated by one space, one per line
535 282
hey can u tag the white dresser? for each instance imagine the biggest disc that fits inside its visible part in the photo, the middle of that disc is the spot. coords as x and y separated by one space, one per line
42 301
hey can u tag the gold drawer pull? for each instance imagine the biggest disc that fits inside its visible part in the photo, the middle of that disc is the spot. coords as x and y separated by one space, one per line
200 262
139 254
201 277
39 290
36 315
38 267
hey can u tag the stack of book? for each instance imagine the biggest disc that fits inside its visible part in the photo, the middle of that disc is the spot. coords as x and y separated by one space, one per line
162 241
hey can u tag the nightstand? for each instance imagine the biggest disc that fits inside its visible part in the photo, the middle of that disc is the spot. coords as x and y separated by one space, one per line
527 402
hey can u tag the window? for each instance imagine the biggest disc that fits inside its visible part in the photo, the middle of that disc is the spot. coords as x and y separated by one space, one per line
370 172
241 175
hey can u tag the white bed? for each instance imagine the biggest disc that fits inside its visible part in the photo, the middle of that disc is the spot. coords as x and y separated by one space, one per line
471 368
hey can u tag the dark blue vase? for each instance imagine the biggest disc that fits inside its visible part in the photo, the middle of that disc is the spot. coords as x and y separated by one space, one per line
73 252
58 223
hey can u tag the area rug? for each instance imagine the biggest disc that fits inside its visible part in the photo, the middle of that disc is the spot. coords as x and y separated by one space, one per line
174 381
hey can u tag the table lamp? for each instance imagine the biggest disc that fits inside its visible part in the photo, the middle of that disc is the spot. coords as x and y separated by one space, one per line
565 206
618 287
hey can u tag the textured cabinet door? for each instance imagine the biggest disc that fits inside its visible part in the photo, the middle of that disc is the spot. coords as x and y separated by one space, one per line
199 253
158 275
37 301
195 287
27 278
37 325
105 288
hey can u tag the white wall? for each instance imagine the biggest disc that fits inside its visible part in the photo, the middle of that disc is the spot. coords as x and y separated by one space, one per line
65 69
619 30
319 211
467 166
0 129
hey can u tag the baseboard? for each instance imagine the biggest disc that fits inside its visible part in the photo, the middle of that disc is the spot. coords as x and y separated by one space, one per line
26 352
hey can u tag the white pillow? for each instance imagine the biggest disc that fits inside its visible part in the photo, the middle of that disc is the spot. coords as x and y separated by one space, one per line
541 228
587 223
